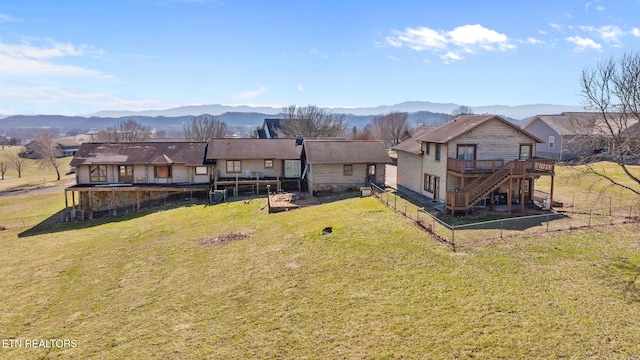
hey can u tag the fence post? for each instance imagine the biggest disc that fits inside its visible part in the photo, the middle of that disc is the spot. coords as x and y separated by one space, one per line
547 222
610 203
405 208
453 236
395 200
501 226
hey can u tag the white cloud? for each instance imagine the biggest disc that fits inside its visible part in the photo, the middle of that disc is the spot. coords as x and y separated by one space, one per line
47 96
394 58
421 38
469 39
532 40
27 59
556 26
451 57
300 87
583 44
600 8
252 93
608 33
316 52
635 32
7 18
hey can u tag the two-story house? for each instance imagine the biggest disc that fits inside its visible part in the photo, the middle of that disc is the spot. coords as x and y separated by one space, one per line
470 160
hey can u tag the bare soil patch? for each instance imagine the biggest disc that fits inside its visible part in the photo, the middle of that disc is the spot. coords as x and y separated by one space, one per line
226 238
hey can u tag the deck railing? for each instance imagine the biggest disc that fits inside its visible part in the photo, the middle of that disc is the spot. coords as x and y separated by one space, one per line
490 166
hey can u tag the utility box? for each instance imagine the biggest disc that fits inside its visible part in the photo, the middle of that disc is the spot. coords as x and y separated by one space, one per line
365 191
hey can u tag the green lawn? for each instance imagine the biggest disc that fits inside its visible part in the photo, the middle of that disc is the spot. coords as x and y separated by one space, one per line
167 284
575 184
33 175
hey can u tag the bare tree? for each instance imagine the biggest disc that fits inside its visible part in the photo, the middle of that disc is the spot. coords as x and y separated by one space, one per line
19 164
310 122
612 89
367 133
4 166
392 128
462 110
47 147
124 131
204 127
3 142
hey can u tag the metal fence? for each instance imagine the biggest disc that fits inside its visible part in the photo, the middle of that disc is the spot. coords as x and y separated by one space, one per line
474 232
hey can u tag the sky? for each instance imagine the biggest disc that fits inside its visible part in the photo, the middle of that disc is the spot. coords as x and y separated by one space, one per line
79 57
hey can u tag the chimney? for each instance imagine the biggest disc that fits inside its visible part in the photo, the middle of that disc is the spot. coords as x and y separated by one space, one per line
299 140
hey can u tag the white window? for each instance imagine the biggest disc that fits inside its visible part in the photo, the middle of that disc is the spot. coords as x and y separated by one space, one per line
551 142
291 168
201 170
234 166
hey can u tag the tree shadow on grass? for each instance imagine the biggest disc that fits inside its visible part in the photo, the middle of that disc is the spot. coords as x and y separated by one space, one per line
55 224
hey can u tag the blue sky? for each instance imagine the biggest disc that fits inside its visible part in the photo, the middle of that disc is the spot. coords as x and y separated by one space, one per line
78 57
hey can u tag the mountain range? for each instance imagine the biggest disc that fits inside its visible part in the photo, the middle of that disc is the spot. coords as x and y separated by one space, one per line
244 119
520 112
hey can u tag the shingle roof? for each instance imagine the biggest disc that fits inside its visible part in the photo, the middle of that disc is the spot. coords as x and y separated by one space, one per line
244 148
568 123
413 144
462 124
188 153
319 151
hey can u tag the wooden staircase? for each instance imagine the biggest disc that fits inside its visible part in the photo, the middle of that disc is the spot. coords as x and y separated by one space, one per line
469 196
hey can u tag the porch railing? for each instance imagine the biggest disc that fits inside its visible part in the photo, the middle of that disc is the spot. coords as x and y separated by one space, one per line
491 166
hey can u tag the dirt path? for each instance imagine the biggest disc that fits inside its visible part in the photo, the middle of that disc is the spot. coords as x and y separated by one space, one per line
36 190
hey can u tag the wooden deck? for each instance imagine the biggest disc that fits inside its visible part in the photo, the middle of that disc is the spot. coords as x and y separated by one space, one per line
292 200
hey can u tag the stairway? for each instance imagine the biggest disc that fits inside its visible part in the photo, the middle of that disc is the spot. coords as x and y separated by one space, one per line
470 195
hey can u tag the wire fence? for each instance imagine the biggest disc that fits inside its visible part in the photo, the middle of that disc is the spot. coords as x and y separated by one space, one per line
461 233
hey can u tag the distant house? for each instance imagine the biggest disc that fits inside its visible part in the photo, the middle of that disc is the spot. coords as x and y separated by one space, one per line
573 135
255 162
67 146
472 160
341 165
269 129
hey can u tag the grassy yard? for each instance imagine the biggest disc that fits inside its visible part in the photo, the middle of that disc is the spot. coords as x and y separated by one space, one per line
33 175
574 183
231 281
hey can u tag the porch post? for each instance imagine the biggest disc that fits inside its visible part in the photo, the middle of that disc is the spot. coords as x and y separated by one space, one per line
522 180
509 194
551 194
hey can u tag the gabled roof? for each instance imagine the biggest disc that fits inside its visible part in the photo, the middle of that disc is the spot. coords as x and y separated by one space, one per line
245 148
272 126
465 123
188 153
575 123
413 145
318 151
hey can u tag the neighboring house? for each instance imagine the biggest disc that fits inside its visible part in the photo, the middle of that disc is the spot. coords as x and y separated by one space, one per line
472 160
113 175
341 165
567 136
269 129
67 146
255 162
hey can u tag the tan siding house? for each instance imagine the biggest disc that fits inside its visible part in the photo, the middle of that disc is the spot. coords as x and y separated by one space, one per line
474 159
342 165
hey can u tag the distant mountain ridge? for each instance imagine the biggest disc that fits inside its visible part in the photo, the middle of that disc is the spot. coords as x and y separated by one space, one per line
520 112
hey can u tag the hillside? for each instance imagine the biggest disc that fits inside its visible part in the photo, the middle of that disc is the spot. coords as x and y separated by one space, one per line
231 281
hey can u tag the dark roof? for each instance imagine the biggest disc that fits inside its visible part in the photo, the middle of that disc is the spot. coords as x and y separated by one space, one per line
462 124
273 125
188 153
261 134
319 151
245 148
413 144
